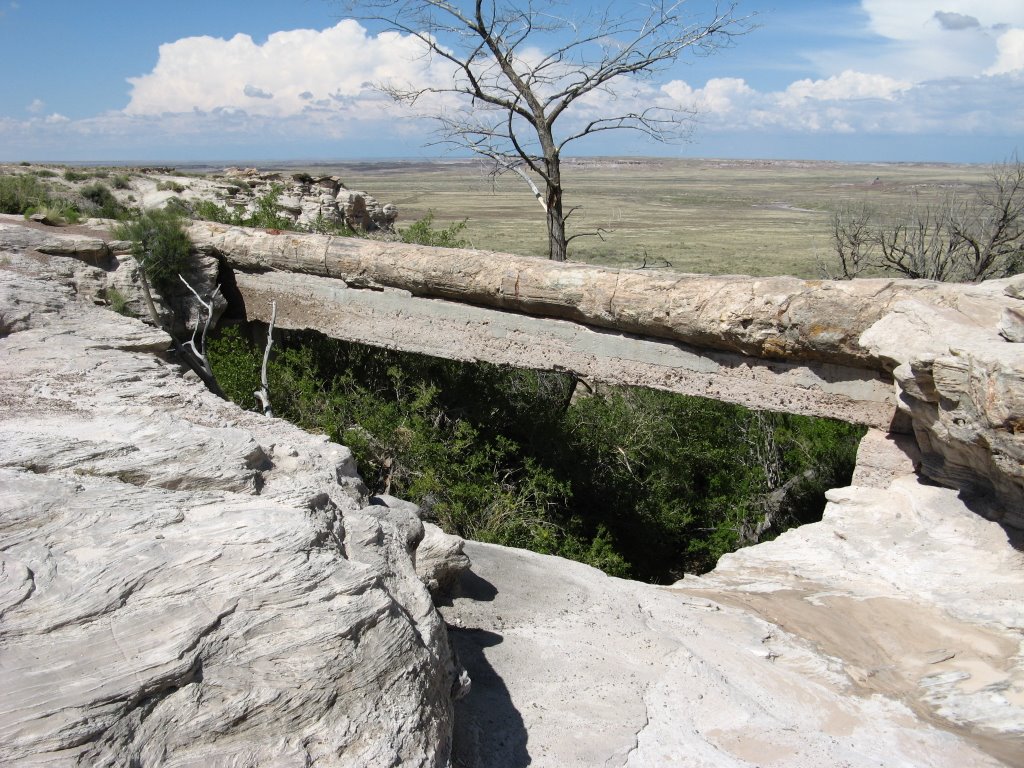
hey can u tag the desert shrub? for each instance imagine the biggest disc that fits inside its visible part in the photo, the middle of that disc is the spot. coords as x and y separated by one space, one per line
159 243
422 232
267 213
960 238
117 301
19 193
324 226
102 200
636 482
173 186
207 210
179 207
26 194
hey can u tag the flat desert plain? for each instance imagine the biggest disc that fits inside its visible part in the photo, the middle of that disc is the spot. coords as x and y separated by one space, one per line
756 217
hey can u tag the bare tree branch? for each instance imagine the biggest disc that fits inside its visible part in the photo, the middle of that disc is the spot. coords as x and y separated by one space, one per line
263 393
956 238
521 66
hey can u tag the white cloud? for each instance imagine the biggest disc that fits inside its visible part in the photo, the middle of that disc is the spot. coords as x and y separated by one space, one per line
919 40
1010 47
316 86
921 19
855 102
847 86
283 76
953 21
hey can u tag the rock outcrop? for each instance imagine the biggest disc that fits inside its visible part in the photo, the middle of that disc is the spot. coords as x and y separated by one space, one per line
958 376
182 582
309 201
887 634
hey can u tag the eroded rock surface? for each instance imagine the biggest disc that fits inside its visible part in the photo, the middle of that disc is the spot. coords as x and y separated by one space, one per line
183 583
887 634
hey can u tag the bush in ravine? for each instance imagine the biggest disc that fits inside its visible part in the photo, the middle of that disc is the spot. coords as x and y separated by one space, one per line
159 243
635 482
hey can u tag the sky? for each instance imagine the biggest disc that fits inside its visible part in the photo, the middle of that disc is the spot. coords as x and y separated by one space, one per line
252 80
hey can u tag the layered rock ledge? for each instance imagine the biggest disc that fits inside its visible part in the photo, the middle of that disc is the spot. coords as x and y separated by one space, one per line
184 583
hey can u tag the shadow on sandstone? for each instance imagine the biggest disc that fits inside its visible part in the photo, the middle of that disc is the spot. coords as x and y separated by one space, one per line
489 731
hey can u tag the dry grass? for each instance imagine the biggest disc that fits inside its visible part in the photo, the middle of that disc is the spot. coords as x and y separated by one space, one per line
713 216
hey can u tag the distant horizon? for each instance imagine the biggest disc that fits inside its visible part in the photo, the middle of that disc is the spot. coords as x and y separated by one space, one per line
251 162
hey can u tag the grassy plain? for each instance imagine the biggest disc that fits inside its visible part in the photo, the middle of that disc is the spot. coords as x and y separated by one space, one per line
713 216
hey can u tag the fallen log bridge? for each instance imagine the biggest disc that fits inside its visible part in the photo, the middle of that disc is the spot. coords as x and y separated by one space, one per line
902 355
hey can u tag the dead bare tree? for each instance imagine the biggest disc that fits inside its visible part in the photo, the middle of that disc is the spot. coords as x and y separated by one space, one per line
521 66
960 238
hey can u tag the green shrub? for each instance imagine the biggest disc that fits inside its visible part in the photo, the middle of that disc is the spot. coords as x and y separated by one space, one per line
423 233
207 210
21 192
159 243
117 301
322 226
267 214
104 203
25 194
636 482
173 186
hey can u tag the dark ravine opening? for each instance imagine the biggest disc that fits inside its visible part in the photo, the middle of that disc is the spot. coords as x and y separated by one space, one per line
639 483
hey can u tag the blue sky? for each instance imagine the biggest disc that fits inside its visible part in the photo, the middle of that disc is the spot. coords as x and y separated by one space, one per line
220 80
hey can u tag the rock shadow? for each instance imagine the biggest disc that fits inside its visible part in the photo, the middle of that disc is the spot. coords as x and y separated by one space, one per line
489 731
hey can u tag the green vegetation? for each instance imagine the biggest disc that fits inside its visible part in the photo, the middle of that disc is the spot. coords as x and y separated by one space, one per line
266 215
637 482
102 201
117 301
24 194
422 232
159 243
173 186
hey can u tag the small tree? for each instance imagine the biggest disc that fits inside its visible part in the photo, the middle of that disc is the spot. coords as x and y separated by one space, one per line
521 66
957 239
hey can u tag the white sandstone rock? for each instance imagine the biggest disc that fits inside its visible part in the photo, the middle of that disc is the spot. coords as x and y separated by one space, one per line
185 583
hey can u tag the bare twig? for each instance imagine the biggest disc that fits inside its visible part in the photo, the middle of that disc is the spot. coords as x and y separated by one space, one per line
263 393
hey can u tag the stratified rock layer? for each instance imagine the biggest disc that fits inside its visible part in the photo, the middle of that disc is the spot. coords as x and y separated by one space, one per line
888 634
183 583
